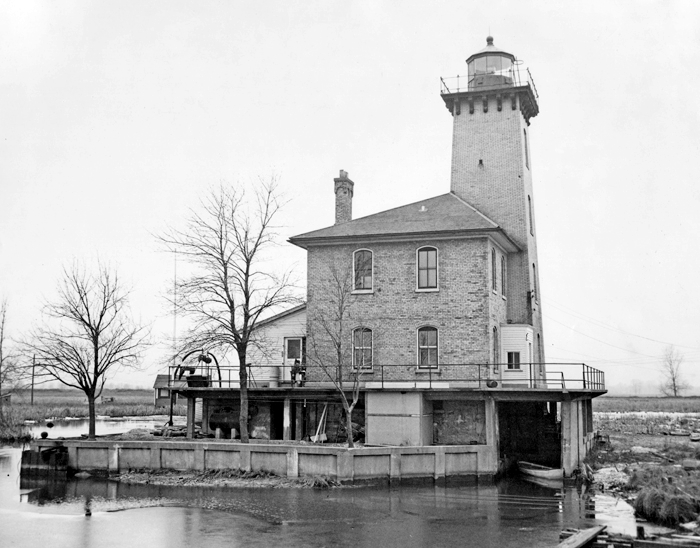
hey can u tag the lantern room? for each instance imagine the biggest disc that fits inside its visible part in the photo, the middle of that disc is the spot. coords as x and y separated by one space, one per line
491 68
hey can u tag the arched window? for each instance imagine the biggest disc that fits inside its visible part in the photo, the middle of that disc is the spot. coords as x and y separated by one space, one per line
495 350
535 295
362 270
427 347
503 275
362 348
494 283
427 268
527 152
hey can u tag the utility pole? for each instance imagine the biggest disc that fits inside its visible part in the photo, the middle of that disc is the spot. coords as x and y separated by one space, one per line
33 367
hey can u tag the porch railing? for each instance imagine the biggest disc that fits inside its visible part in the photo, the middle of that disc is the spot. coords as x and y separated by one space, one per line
553 376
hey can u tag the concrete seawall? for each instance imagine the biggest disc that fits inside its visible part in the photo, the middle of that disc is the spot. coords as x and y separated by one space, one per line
293 461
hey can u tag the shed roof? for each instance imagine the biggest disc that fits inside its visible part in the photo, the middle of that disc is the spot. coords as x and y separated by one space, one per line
161 381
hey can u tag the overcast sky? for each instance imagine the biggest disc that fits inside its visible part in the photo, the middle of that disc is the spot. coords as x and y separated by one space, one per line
117 116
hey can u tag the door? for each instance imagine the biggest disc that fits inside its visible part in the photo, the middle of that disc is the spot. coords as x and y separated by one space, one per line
293 351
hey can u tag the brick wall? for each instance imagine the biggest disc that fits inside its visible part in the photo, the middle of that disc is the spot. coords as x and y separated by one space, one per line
490 172
464 309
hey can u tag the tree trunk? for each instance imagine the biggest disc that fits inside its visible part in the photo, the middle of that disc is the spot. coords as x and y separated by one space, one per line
91 416
348 419
243 417
243 381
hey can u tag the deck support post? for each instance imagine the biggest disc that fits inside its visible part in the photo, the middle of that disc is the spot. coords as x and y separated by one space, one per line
287 420
190 416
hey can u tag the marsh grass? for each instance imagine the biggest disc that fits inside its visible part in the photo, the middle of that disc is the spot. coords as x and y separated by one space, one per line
12 428
611 404
663 507
60 404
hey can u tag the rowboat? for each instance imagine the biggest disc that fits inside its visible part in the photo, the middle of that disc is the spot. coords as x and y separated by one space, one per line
539 471
679 433
556 483
695 436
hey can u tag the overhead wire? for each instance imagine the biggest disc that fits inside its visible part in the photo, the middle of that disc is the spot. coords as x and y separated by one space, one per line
604 325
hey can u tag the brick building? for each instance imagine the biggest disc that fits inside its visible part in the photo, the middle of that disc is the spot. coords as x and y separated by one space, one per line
433 309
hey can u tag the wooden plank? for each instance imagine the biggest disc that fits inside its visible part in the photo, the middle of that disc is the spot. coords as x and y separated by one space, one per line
665 543
582 538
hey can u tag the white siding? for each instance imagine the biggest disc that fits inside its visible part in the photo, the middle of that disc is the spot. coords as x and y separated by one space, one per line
517 338
269 349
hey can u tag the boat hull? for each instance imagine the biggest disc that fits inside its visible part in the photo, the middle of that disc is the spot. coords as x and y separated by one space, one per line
539 471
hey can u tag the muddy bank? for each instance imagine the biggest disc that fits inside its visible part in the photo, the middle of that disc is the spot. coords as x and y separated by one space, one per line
656 472
222 478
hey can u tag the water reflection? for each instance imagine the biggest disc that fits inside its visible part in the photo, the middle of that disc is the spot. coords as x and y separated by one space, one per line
88 512
74 428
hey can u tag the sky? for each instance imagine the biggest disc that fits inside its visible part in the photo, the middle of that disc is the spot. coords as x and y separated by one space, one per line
117 117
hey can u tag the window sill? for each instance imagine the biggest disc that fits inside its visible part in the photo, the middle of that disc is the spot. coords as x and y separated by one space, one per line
362 292
504 297
518 370
427 290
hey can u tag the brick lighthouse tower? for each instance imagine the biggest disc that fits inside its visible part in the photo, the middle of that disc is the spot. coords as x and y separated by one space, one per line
492 169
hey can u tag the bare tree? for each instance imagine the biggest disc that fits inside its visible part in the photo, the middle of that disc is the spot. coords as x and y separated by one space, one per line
12 371
228 240
673 383
330 335
87 333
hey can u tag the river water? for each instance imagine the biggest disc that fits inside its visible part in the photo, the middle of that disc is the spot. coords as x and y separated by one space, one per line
100 513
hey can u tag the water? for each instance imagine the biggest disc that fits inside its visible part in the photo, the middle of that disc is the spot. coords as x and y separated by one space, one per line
74 428
101 514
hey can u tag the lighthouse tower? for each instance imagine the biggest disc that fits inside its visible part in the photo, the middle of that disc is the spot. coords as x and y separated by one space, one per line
492 168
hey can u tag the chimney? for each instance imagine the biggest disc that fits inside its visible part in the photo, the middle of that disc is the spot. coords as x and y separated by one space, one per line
343 198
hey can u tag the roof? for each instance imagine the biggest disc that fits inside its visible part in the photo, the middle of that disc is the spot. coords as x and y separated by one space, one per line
446 214
490 49
281 315
161 381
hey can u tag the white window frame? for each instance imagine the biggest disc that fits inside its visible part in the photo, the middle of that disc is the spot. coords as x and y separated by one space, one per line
437 349
354 278
511 363
371 348
437 270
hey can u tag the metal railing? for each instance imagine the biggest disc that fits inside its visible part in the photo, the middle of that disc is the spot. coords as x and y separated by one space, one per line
567 376
462 83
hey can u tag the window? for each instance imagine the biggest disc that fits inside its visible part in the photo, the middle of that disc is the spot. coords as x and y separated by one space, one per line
495 349
529 212
527 152
427 268
513 360
534 283
362 348
503 275
362 267
494 284
427 347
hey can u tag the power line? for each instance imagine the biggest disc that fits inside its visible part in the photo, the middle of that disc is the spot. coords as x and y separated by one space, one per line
598 340
572 312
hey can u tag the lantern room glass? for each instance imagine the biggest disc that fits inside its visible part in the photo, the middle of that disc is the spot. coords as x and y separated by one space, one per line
490 71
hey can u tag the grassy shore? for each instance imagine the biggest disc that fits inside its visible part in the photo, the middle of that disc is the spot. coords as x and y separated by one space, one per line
632 404
59 404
